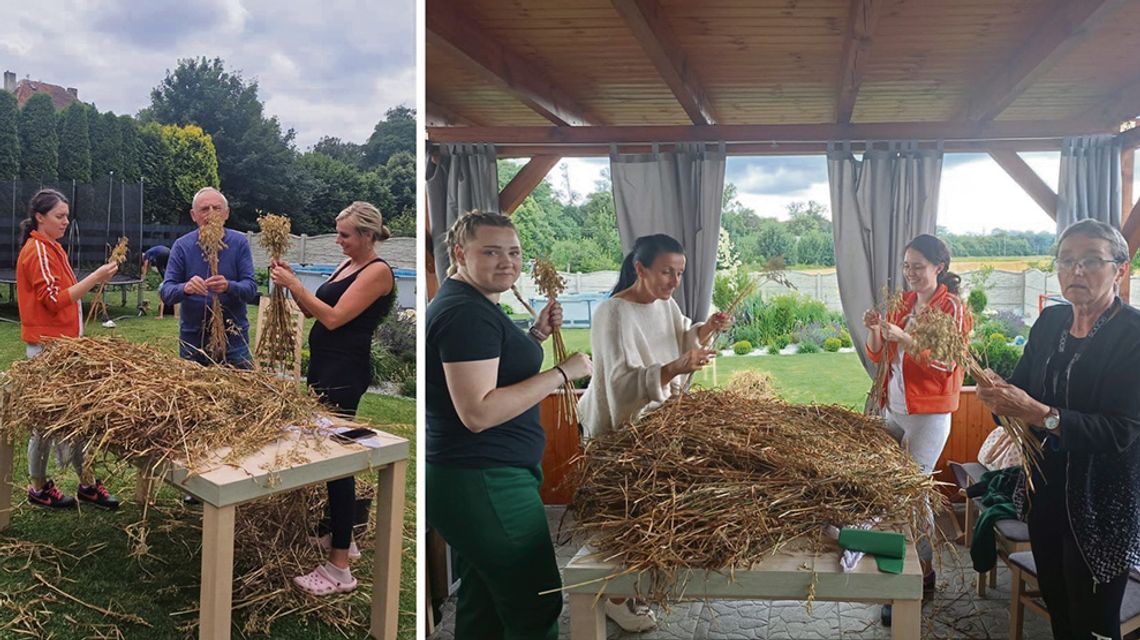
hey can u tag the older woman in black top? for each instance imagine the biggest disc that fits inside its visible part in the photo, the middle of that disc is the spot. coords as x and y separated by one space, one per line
484 440
1078 385
348 308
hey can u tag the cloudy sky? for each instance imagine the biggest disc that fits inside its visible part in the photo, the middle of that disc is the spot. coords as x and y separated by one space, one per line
324 68
976 195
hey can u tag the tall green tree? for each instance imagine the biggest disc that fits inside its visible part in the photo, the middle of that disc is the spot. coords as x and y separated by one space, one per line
131 148
336 185
39 141
394 134
349 153
75 144
177 161
399 179
106 145
9 136
806 217
255 156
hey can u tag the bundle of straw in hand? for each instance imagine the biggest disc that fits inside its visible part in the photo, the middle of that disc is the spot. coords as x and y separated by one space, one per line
938 337
118 256
550 284
211 239
276 346
876 396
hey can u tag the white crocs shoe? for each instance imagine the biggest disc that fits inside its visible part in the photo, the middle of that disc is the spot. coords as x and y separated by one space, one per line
632 615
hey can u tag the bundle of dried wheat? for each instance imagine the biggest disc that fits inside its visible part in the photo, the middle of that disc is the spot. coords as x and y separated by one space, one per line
277 344
118 256
550 284
211 239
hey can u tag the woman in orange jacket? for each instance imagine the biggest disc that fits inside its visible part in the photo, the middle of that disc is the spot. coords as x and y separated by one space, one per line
49 297
919 394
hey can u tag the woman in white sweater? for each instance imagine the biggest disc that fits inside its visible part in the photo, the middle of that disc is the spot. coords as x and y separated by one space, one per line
642 348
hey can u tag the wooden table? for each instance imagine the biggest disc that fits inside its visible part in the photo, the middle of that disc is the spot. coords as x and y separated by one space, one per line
785 576
224 487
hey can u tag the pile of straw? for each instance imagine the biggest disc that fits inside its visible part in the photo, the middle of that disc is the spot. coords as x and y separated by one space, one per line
717 480
139 402
211 239
276 346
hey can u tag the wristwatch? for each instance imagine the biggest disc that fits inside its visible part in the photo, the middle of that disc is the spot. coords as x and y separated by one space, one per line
1052 420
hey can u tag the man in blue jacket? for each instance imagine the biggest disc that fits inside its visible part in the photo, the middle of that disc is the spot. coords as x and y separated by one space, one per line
188 281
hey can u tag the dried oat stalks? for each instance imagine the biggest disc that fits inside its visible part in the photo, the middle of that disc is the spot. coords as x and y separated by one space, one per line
877 397
211 239
118 256
938 337
719 480
277 344
551 283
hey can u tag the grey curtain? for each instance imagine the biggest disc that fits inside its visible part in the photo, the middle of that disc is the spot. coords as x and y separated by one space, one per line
466 178
1090 181
677 193
878 204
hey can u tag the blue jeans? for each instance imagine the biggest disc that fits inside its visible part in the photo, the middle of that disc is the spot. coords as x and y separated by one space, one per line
237 349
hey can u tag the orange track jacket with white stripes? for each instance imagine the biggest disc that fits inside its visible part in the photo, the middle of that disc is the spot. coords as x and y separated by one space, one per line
43 277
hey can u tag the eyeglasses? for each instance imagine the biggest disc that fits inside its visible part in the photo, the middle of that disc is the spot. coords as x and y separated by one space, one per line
1086 264
913 268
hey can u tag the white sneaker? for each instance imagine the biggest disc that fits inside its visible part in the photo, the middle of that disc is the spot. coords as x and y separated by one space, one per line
325 543
110 324
632 615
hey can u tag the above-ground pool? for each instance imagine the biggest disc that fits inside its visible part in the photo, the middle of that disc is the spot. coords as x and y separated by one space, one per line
577 308
313 275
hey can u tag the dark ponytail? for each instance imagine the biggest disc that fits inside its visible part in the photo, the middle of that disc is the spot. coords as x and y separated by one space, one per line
937 253
645 250
45 200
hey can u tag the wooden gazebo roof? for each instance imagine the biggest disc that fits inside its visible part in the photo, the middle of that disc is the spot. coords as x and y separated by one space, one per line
547 79
762 71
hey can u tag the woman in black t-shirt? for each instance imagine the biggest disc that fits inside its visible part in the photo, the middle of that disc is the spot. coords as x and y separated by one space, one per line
484 440
348 308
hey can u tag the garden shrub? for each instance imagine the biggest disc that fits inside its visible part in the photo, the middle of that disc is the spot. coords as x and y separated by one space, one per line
845 339
808 347
977 300
781 341
742 348
996 354
832 344
773 349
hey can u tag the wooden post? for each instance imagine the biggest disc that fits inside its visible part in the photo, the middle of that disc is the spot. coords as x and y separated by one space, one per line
587 622
386 563
1016 609
1127 174
6 456
217 572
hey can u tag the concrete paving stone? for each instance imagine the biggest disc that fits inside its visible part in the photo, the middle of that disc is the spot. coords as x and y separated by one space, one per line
680 623
790 620
734 620
862 621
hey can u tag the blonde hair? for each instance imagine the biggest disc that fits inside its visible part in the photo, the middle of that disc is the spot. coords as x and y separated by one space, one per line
368 220
466 227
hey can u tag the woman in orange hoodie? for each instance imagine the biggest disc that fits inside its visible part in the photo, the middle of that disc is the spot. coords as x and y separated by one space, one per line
49 297
920 394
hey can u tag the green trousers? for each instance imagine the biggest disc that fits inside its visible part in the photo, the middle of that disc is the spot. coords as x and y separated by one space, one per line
495 522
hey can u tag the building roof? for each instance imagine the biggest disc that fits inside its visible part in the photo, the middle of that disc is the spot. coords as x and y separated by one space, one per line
60 97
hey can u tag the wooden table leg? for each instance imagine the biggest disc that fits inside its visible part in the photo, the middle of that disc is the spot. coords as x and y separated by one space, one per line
906 620
1016 609
587 622
217 572
389 543
6 455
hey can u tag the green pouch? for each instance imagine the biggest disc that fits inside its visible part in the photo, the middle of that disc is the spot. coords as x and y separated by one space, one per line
888 547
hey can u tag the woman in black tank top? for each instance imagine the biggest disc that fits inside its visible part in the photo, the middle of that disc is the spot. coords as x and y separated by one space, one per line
348 308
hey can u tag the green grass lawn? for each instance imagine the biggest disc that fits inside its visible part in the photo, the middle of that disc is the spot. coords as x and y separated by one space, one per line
100 569
825 378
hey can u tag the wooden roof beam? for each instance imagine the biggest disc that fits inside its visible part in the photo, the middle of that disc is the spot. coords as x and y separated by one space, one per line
648 24
529 177
441 116
1131 229
862 18
737 133
1130 139
1027 179
450 28
1066 24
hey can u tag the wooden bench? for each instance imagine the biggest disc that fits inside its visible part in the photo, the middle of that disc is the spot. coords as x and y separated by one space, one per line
785 576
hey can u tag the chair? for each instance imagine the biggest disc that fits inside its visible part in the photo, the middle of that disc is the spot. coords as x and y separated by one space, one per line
1024 593
1010 536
